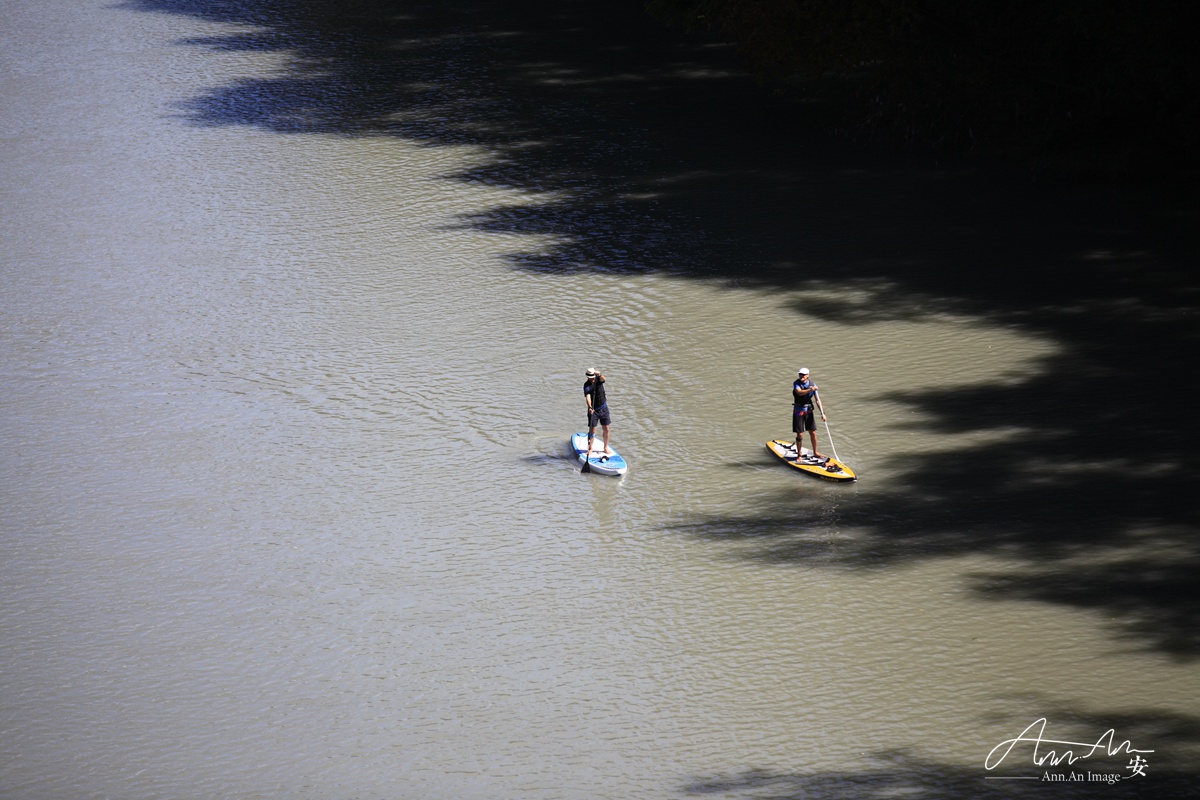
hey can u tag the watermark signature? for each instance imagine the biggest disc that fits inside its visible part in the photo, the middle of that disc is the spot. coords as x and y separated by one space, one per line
1056 752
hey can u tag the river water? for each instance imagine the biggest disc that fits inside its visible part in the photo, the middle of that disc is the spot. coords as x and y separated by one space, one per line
297 302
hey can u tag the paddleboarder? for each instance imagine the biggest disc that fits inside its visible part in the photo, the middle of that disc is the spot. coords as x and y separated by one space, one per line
597 404
804 397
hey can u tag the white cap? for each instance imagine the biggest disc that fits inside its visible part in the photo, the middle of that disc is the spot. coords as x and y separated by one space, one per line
803 371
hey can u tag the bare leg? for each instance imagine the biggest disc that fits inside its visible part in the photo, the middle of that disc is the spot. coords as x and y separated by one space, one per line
607 451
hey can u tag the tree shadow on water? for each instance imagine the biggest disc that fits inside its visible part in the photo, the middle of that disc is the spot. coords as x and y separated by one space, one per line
554 97
1166 742
643 150
634 149
900 774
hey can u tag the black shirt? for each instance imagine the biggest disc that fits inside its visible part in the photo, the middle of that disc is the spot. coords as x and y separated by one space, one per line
804 386
596 390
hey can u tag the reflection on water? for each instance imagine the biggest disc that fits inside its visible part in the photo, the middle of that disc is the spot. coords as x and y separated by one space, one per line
296 310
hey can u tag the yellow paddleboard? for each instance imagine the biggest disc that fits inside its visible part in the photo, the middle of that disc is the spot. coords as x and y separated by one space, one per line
830 470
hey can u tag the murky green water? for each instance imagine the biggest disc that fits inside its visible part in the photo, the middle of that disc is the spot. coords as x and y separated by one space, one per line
296 310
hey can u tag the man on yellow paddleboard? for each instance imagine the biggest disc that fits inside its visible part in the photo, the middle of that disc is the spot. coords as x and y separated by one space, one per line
804 396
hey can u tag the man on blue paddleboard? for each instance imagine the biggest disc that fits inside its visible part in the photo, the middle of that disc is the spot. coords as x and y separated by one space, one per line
597 405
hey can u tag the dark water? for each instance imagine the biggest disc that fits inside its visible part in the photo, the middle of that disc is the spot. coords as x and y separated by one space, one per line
297 299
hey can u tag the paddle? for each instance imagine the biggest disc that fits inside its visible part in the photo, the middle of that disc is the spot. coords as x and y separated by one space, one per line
827 431
587 455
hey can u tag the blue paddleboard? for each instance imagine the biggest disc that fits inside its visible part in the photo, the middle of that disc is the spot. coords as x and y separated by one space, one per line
612 464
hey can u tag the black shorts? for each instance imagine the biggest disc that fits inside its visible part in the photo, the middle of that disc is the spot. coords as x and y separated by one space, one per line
803 419
599 417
